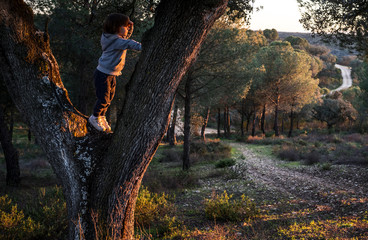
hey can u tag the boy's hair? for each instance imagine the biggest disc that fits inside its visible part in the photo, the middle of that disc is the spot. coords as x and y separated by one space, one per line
114 21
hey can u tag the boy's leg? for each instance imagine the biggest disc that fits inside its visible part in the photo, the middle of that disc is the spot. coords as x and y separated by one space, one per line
103 89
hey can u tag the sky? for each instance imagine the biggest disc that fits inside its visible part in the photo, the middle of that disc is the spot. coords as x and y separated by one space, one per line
283 15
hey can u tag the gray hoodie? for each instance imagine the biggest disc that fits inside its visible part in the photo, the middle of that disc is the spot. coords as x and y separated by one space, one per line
114 48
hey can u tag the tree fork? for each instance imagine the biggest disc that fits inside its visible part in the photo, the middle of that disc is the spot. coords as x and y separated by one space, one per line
89 165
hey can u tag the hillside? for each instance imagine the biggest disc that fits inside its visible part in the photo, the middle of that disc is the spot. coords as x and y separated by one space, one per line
317 40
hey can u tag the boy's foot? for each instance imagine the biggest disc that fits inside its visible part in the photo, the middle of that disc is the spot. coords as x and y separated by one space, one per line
106 124
97 122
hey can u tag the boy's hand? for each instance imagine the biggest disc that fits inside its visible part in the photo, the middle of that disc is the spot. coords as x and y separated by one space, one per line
130 28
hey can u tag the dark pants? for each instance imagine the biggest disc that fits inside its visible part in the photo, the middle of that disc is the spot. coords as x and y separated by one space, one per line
105 90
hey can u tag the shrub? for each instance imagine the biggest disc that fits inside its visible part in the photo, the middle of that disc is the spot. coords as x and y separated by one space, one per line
228 162
222 208
211 149
289 154
167 181
326 166
50 210
171 155
154 211
312 158
13 224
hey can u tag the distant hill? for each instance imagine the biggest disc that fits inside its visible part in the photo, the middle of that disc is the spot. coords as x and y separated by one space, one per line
316 40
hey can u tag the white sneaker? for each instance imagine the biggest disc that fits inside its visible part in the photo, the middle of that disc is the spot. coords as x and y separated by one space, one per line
106 124
97 123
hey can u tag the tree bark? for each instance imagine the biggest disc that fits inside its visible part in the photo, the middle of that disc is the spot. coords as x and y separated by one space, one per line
291 122
263 119
276 124
254 122
204 125
171 131
228 121
187 115
10 152
100 172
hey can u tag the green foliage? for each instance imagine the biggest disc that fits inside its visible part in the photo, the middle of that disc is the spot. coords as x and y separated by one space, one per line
271 34
227 162
223 208
299 42
212 149
155 211
50 211
334 110
13 224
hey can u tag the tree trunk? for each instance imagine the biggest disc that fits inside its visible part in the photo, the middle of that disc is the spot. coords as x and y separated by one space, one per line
291 122
10 153
171 132
228 121
263 119
242 124
248 121
218 122
102 172
276 124
187 115
254 123
204 125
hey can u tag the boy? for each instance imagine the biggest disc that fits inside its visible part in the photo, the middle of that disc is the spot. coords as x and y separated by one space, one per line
117 29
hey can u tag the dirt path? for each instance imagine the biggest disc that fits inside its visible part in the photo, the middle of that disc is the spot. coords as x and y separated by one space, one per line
310 183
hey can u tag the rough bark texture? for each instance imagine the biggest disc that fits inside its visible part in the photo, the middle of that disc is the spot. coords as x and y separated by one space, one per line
10 152
99 172
263 119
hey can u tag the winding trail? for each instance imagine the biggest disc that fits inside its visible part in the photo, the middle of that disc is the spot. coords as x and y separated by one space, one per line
305 182
346 78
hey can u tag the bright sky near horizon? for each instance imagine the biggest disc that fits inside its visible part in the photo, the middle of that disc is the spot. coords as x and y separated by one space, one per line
283 15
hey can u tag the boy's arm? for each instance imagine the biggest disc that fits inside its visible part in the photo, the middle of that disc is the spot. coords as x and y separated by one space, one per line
123 44
130 29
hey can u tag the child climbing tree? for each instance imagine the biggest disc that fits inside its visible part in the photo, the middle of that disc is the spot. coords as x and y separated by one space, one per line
97 171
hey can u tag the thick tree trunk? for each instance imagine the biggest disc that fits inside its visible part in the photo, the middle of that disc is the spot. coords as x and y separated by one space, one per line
218 122
11 154
187 115
282 122
263 119
204 125
100 172
171 136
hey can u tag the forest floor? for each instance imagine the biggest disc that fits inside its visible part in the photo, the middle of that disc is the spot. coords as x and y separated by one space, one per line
296 201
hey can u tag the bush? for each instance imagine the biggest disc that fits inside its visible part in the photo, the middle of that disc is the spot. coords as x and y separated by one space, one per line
312 158
163 181
13 223
289 154
154 211
171 155
212 149
228 162
222 208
